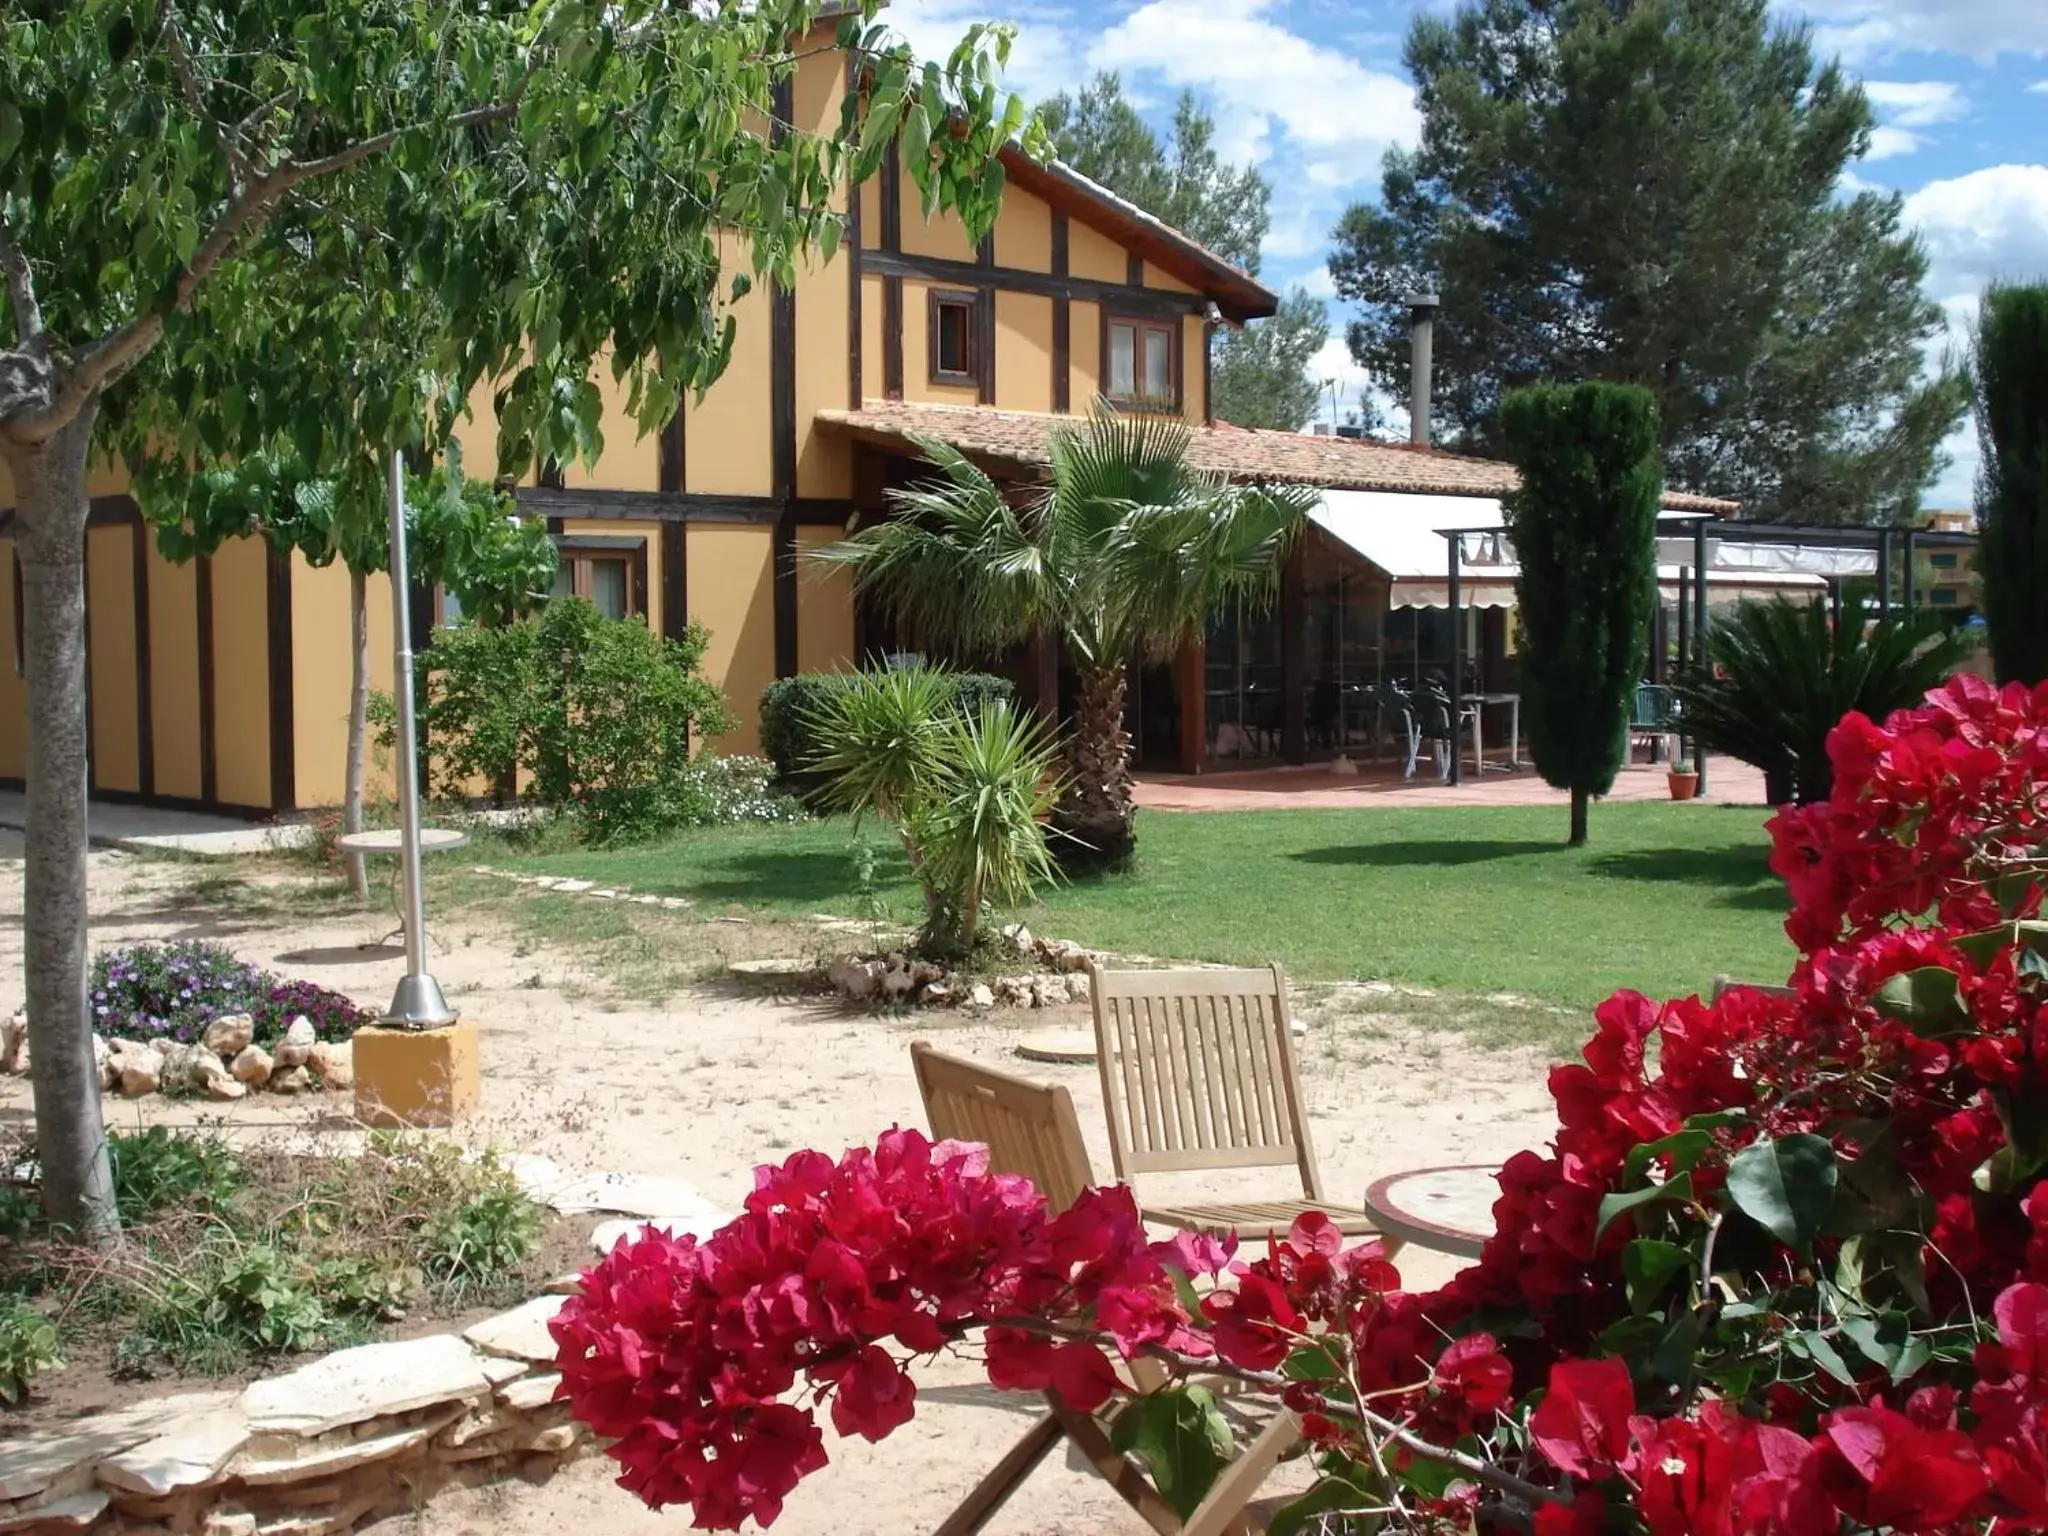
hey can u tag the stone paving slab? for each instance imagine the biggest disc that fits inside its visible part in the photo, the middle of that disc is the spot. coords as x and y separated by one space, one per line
367 1382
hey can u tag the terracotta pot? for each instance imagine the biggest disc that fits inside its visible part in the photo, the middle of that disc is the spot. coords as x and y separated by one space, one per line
1684 786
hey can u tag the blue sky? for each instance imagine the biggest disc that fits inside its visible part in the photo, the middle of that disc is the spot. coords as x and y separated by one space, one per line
1314 91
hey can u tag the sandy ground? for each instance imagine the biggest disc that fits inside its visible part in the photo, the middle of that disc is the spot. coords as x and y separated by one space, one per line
711 1083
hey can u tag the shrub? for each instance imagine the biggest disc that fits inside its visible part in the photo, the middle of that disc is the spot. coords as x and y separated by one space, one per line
2011 378
791 705
970 794
28 1347
1584 525
601 713
160 1168
721 791
173 991
1785 673
1782 1272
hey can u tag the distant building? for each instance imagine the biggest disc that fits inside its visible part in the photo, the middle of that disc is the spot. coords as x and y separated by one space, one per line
1948 577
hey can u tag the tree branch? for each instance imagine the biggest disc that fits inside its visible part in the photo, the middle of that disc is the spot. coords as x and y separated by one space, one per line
104 361
21 288
195 97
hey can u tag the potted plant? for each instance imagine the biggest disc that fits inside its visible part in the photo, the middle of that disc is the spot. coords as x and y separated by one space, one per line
1684 780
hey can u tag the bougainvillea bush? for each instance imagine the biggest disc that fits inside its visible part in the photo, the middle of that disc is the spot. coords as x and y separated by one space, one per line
1782 1272
173 991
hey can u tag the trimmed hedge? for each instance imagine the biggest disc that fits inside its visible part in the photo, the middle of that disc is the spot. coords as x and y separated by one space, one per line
791 701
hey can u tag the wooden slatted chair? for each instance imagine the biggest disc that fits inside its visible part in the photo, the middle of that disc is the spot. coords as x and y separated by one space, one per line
1198 1074
1031 1129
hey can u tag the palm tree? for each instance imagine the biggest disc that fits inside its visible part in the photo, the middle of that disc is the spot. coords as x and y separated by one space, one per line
1784 674
1123 555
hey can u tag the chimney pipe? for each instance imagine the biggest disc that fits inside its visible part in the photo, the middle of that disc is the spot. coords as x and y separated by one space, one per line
1421 333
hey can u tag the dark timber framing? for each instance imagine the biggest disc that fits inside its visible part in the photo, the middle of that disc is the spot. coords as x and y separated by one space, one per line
782 427
1062 322
889 262
277 583
202 591
145 717
680 507
1144 303
675 579
856 377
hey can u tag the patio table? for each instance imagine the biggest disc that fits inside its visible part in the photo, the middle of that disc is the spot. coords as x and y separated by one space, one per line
1449 1210
388 842
1481 700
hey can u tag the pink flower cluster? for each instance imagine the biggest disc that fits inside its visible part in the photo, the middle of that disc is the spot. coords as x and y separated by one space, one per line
703 1359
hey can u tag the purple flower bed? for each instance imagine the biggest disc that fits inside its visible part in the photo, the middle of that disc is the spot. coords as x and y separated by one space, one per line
173 991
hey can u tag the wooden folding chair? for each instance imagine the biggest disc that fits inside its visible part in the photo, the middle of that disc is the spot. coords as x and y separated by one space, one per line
1031 1129
1197 1074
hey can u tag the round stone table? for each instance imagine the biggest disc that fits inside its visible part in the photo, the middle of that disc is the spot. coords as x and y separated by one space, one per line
390 840
1449 1210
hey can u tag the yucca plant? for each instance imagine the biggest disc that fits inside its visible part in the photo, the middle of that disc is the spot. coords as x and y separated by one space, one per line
1122 555
1787 674
969 791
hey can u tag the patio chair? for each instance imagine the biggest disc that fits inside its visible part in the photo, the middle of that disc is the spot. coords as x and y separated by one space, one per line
1031 1129
1198 1073
1653 719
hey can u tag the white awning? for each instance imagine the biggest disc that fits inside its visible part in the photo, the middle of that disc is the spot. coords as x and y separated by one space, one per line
1401 533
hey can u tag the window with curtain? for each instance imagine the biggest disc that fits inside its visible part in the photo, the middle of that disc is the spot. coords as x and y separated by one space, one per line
1141 358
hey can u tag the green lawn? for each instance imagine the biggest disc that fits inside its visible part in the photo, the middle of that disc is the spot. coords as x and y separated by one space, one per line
1478 900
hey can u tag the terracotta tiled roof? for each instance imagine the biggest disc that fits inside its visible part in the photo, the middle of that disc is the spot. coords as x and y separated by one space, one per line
1018 438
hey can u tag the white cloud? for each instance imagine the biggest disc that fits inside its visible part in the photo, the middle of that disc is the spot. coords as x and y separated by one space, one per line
1990 223
1043 59
1866 29
1334 372
1318 282
1888 142
1986 225
1266 82
2039 88
1918 103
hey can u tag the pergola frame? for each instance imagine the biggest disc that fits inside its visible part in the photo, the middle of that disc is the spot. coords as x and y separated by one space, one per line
1694 642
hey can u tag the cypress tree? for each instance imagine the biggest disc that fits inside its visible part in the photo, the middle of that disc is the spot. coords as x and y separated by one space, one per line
1584 525
2012 487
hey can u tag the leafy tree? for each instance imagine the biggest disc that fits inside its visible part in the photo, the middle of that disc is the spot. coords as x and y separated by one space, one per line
560 174
1227 208
1584 525
1261 376
2012 488
1784 674
461 534
1124 554
1647 191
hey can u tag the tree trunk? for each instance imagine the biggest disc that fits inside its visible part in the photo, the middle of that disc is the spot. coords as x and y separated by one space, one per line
1097 808
1580 800
71 1143
358 725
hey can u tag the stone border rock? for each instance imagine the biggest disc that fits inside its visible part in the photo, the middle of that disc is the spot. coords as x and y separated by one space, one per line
356 1435
224 1064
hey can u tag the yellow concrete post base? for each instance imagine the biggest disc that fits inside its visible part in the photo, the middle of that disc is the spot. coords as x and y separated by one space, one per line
423 1077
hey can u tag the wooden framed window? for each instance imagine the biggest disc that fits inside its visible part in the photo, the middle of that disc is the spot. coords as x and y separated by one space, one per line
1141 362
608 572
955 327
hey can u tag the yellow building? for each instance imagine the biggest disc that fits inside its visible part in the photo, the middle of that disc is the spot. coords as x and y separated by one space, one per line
223 683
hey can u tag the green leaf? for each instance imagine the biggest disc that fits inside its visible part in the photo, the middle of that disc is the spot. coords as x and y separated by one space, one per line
1822 1352
1313 1361
1620 1204
1787 1187
1330 1496
1184 1439
1928 1000
1648 1266
1682 1147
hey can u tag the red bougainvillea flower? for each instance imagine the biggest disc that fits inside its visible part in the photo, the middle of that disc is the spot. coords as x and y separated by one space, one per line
1255 1325
1582 1424
1884 1470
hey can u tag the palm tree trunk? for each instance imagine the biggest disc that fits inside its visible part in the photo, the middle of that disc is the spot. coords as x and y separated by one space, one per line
71 1142
1097 809
358 722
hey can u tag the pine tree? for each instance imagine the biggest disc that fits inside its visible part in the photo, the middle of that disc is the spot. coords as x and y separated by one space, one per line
1648 191
1584 525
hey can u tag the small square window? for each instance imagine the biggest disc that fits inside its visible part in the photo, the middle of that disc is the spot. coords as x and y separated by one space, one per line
954 318
1943 597
1140 360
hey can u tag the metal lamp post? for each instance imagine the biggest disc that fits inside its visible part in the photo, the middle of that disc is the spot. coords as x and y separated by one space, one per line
418 1003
